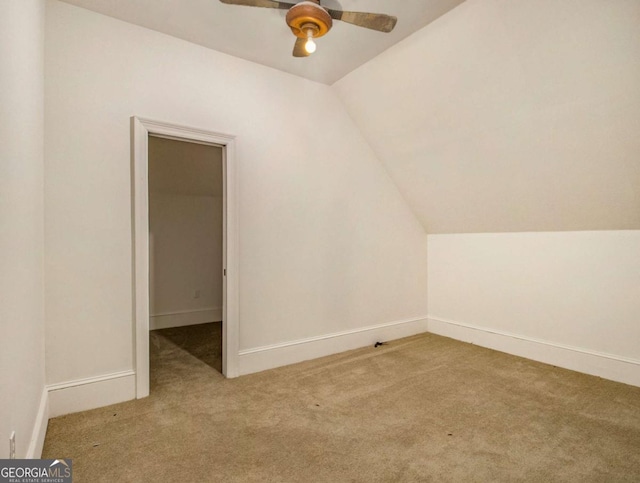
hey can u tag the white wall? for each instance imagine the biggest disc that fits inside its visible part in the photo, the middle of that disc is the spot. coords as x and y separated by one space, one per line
21 226
185 258
327 243
537 282
577 291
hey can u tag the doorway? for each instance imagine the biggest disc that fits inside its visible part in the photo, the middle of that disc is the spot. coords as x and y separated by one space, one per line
185 256
162 133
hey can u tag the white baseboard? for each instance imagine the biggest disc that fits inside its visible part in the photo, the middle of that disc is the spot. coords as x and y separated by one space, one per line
185 317
94 392
39 427
608 366
269 357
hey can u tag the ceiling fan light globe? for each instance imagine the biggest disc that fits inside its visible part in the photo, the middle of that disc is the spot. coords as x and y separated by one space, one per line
310 46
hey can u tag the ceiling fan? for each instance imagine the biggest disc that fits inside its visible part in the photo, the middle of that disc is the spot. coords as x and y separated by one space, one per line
309 20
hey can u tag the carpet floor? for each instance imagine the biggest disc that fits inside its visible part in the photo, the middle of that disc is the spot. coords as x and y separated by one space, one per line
425 408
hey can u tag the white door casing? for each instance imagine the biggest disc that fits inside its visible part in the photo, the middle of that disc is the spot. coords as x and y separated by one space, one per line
141 130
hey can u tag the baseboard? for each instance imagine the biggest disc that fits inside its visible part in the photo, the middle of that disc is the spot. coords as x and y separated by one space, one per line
269 357
94 392
607 366
34 451
185 317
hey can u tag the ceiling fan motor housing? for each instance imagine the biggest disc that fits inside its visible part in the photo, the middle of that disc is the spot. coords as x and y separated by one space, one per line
305 14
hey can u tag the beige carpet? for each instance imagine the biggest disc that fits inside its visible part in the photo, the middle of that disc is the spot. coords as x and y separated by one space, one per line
425 408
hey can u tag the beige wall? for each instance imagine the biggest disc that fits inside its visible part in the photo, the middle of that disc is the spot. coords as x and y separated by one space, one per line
22 370
327 243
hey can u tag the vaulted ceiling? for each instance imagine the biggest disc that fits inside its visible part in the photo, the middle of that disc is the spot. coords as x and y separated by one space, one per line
261 35
500 116
511 116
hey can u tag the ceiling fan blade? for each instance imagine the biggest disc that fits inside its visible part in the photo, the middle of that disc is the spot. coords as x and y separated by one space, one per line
373 21
260 3
299 50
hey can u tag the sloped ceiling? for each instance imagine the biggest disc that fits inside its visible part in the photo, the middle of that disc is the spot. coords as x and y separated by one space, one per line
261 35
511 116
184 168
499 116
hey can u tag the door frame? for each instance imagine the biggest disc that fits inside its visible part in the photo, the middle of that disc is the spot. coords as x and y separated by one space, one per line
141 129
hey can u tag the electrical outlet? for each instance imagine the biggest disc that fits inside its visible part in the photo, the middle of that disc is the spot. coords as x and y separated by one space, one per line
196 294
12 445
